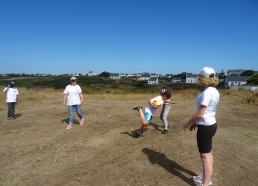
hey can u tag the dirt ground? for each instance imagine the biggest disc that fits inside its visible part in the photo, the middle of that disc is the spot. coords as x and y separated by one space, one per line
36 149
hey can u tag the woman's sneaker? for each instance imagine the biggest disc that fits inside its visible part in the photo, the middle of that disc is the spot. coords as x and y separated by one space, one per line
199 179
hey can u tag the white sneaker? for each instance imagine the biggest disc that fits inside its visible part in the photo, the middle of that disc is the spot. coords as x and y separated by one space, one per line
210 183
199 179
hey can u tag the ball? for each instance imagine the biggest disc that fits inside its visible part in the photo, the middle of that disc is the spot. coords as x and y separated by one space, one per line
157 102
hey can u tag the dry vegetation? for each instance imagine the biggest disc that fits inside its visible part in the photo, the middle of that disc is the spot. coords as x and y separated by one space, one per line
36 149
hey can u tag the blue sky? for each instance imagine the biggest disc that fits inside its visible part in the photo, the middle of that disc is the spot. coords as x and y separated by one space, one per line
162 36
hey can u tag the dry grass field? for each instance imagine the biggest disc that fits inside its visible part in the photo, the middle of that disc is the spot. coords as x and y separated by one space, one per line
36 149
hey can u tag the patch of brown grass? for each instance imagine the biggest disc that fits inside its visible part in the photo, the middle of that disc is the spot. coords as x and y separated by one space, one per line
36 149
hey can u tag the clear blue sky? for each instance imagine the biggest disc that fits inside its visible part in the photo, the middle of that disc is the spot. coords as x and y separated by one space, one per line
162 36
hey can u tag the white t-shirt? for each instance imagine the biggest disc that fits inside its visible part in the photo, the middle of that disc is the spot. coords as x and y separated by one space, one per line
11 94
73 94
209 98
152 110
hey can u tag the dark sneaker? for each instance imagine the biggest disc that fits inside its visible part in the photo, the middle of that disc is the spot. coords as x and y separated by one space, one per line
139 107
134 132
140 135
164 131
137 134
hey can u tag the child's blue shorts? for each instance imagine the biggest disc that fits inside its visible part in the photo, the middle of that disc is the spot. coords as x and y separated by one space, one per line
148 117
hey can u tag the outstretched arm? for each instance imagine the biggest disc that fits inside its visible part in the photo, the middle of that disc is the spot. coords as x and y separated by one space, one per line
171 102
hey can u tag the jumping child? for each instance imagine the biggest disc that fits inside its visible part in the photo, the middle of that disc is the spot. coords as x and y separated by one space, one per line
150 111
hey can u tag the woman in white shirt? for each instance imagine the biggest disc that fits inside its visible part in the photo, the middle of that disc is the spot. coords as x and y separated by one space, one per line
73 98
205 120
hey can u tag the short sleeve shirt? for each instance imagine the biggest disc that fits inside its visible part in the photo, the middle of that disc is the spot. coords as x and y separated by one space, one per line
73 94
209 98
152 110
11 94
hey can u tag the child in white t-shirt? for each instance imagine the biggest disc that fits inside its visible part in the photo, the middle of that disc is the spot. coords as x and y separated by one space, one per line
11 99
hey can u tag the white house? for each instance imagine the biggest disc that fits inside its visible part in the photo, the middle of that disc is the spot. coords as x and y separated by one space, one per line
115 76
191 78
169 75
122 75
153 81
76 74
176 80
154 75
91 73
144 77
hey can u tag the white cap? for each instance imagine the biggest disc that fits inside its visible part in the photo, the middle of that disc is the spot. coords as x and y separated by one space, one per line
73 78
207 72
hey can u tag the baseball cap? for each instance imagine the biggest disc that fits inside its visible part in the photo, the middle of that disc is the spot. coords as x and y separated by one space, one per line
207 72
73 78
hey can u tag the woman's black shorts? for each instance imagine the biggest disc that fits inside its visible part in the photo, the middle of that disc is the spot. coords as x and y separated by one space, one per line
204 137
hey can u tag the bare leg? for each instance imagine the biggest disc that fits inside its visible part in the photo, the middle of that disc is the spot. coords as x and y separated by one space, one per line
143 121
207 161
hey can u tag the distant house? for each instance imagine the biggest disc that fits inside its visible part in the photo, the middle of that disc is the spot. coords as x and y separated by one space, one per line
176 80
115 76
235 81
122 75
154 75
235 72
153 81
130 75
191 78
76 74
169 75
91 73
144 77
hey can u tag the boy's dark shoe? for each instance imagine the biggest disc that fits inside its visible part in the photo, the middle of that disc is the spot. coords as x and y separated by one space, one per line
164 131
139 107
137 134
140 135
134 132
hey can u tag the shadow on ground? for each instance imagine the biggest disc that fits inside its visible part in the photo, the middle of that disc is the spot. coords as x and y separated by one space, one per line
169 165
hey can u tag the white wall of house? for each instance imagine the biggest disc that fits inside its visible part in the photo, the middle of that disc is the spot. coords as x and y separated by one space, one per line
191 80
176 80
235 83
143 78
153 82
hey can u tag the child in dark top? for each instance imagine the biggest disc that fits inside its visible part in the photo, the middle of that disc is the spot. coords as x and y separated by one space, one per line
165 111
